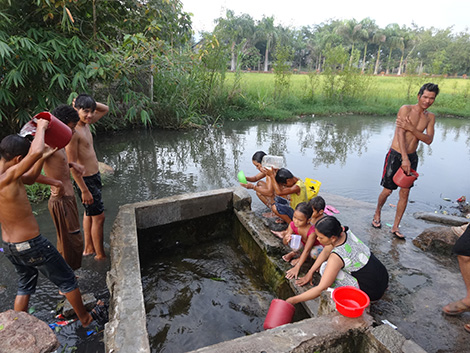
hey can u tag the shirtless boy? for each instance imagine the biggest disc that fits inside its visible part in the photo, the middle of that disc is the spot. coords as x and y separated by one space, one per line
62 203
414 124
80 150
23 244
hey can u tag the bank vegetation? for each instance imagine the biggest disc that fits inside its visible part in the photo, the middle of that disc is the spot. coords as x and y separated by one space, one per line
142 59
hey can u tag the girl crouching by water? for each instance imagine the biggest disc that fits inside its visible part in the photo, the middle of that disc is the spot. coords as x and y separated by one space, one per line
344 261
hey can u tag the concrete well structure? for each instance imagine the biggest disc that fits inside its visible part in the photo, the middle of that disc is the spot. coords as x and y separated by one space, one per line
326 331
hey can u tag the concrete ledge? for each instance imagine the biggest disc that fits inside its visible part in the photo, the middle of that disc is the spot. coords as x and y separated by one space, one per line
182 207
126 330
309 335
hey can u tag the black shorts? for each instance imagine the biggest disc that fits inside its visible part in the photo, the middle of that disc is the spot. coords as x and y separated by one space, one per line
93 183
392 163
462 245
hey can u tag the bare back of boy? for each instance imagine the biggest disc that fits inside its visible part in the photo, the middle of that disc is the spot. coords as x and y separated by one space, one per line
57 167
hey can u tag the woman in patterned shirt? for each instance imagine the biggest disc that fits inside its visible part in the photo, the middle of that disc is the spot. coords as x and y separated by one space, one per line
344 261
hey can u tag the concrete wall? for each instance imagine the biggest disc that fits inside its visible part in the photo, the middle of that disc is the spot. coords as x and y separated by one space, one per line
126 330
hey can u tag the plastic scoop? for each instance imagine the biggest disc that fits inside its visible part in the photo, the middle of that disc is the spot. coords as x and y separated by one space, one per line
241 177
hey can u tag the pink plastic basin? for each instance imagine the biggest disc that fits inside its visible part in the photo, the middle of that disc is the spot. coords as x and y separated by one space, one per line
403 180
280 313
350 301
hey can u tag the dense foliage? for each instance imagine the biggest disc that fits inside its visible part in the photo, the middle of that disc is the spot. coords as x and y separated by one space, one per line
139 57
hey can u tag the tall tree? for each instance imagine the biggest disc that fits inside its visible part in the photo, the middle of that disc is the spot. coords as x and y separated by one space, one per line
267 31
351 31
378 38
237 31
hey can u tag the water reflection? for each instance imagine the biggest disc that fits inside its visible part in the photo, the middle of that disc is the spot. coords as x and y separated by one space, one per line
346 153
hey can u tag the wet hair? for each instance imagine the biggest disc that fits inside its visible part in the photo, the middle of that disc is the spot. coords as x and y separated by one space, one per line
282 175
66 114
329 226
431 87
85 101
317 203
258 156
305 209
14 145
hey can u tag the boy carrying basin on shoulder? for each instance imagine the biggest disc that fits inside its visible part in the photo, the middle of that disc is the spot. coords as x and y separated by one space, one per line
23 244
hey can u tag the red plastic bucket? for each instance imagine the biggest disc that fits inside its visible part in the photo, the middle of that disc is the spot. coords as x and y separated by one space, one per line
403 180
57 134
280 313
350 301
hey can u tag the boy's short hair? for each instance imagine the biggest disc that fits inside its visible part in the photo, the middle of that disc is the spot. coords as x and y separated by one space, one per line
317 203
258 156
282 175
85 101
66 114
14 145
431 87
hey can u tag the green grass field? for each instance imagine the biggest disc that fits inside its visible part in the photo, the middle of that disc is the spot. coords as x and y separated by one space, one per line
383 95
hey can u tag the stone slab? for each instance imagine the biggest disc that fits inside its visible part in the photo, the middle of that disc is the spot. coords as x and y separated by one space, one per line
21 332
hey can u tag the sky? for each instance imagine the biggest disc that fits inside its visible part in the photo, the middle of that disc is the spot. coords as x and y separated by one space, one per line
424 13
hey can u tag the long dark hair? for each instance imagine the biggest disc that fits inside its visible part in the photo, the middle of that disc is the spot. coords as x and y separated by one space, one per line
329 226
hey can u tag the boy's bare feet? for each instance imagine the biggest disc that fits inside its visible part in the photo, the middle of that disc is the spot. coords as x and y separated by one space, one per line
100 258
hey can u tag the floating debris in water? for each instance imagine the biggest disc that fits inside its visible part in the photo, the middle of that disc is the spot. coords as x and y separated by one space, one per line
31 310
220 279
446 199
386 322
388 225
392 205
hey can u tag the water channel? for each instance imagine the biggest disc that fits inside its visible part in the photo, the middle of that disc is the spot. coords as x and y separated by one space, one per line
345 153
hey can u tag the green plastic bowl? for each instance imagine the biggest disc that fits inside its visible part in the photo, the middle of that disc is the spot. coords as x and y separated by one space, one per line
241 177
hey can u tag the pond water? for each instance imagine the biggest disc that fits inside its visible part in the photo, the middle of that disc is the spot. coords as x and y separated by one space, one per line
345 153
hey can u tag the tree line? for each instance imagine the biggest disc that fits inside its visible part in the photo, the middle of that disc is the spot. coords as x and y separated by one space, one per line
140 57
392 50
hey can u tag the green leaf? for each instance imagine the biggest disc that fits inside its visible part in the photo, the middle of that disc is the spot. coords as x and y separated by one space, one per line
5 50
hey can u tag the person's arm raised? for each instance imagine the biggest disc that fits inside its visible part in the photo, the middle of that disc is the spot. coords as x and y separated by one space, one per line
100 111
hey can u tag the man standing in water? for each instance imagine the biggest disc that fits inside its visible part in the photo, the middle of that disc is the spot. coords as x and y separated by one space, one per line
80 150
412 121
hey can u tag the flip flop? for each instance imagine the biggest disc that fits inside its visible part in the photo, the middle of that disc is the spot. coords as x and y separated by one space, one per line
456 308
376 224
467 327
398 235
331 209
100 313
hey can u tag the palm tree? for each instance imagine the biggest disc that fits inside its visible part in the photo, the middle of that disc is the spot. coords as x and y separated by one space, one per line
370 27
378 38
394 40
237 30
351 31
267 31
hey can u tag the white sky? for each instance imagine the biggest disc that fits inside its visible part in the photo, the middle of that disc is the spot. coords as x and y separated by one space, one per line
296 13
